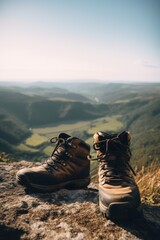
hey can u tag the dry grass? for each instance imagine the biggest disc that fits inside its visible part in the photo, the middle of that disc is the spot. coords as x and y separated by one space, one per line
148 180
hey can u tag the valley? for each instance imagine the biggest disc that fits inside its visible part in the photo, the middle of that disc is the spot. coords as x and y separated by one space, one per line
31 115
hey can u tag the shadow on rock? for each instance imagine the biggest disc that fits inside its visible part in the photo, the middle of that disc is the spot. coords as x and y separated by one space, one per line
146 226
9 233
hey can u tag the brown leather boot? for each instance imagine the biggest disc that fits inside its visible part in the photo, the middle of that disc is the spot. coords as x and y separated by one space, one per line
68 167
119 196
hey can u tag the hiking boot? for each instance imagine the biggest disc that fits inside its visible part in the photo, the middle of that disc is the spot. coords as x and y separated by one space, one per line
68 167
119 196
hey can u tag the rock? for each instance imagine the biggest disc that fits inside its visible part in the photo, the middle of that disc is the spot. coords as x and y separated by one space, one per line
65 214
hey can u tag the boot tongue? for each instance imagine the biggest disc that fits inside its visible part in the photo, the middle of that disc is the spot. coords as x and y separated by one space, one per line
100 136
125 138
67 137
64 135
114 145
61 145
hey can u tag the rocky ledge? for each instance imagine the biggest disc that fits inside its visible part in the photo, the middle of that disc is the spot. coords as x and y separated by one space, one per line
65 214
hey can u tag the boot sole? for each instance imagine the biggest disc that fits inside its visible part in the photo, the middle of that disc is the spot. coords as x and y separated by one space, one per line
73 184
120 210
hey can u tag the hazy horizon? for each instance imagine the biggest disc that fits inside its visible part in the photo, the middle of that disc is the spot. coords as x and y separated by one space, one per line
87 40
78 81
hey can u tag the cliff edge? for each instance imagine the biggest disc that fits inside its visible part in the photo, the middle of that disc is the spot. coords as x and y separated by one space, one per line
65 214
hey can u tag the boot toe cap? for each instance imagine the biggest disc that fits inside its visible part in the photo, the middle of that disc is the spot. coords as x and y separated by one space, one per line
121 194
21 176
29 176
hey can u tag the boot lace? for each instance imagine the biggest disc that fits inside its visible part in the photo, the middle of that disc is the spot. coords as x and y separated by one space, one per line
60 153
111 172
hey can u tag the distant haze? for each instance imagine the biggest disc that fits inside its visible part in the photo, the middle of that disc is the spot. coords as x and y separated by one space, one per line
85 40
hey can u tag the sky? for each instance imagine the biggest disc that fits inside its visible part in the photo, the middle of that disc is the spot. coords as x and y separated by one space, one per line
80 40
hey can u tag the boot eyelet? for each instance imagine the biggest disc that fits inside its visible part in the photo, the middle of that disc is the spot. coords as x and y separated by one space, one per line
54 140
68 154
103 182
61 140
72 145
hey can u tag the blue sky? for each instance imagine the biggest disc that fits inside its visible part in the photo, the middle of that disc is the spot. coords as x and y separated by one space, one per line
79 40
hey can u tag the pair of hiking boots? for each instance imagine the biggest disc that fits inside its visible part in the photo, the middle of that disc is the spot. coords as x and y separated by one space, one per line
69 167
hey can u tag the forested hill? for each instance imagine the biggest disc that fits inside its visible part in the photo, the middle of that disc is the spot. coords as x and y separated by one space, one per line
20 112
38 110
136 105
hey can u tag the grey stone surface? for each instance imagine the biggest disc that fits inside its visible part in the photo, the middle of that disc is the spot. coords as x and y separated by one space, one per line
65 214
